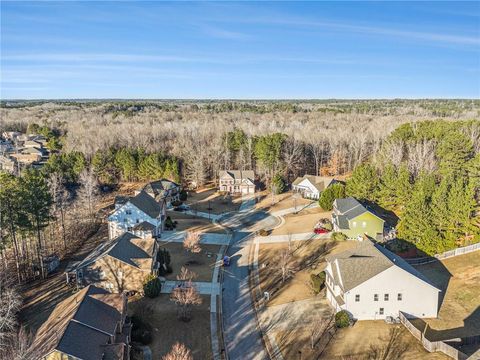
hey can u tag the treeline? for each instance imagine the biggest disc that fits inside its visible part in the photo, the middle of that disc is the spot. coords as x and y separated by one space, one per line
428 174
114 165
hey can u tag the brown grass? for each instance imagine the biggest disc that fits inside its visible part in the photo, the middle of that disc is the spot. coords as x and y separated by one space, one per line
193 223
282 201
459 314
302 222
202 263
309 257
202 199
161 314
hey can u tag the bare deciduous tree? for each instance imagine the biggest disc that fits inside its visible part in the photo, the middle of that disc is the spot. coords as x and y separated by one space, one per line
185 297
178 352
285 264
191 242
10 303
88 191
421 156
393 348
317 327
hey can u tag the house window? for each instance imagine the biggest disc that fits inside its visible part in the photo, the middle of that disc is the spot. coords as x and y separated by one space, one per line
399 297
109 285
385 297
357 298
125 220
101 275
354 224
129 228
128 212
364 224
381 311
375 297
137 221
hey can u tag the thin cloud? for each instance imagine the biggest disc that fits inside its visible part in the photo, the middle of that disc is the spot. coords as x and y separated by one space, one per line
225 34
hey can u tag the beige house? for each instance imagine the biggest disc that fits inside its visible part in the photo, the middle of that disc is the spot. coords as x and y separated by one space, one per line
162 190
120 264
237 181
91 324
311 186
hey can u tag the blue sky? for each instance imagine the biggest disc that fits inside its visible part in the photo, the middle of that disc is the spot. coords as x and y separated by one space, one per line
240 50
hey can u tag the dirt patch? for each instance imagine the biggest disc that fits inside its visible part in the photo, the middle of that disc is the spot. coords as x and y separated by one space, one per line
459 314
211 200
193 223
302 222
308 257
365 336
161 314
202 263
280 202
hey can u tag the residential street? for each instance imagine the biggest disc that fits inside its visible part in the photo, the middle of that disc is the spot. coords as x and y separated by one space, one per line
242 338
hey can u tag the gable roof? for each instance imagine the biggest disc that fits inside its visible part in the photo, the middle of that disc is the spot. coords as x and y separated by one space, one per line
348 209
147 204
128 248
238 174
158 187
318 182
355 266
81 324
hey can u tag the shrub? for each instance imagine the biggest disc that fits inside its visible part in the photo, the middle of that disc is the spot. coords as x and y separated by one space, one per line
141 331
338 236
328 225
183 195
263 232
152 286
169 224
317 281
342 319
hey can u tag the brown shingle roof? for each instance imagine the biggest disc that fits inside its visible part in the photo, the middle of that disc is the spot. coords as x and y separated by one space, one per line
80 324
319 182
239 174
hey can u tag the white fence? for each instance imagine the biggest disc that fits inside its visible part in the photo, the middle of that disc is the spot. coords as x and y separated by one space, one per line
447 254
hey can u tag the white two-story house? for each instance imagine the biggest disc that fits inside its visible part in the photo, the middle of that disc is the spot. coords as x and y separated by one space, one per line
371 283
163 190
138 214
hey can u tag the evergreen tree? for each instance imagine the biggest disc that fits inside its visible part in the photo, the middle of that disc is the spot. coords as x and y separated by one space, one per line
268 151
363 184
453 151
330 194
126 162
278 184
403 186
387 188
103 163
152 167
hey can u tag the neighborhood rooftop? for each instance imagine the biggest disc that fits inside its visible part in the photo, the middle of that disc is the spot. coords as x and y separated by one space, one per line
240 174
82 325
319 182
355 266
145 203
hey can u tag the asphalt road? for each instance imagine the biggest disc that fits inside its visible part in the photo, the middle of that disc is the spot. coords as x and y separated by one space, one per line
242 338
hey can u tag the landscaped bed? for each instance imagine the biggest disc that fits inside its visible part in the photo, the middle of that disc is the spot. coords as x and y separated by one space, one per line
310 258
210 198
193 223
302 222
459 314
161 315
201 263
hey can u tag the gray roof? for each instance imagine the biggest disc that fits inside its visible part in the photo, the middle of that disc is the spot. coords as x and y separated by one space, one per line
158 187
126 248
81 324
357 265
350 207
145 226
147 204
239 174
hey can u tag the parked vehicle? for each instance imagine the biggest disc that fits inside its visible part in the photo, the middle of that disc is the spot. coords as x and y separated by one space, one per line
226 261
320 230
182 207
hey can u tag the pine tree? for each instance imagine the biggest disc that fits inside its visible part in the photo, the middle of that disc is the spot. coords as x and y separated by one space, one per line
403 186
453 151
387 188
364 183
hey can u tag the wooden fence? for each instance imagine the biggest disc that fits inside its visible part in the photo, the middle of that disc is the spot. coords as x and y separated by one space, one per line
447 254
442 346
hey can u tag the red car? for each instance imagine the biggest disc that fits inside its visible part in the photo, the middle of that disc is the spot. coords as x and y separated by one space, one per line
320 231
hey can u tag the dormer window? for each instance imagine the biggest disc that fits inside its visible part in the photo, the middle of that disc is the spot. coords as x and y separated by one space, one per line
128 212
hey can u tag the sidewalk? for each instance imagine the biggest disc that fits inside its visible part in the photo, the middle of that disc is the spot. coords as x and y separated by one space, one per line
203 287
293 237
206 238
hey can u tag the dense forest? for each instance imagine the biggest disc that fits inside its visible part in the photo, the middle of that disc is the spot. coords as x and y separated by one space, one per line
418 159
